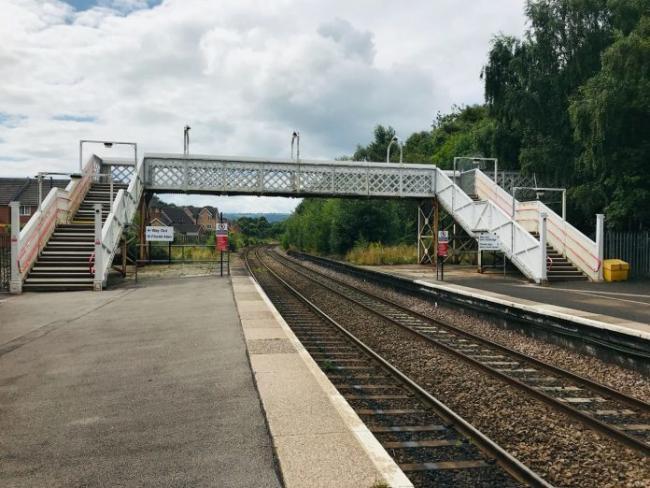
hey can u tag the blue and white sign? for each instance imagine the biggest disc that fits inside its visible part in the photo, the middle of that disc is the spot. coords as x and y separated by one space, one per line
155 233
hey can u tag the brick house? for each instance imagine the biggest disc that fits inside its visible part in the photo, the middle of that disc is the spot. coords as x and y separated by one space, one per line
25 191
177 218
205 217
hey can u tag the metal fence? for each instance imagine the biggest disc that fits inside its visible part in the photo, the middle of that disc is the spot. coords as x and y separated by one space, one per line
5 261
633 247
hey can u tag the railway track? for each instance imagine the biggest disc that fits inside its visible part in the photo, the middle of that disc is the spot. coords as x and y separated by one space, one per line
431 444
610 412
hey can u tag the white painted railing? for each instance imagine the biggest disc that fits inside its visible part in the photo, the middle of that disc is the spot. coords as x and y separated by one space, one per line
34 236
486 216
124 209
561 235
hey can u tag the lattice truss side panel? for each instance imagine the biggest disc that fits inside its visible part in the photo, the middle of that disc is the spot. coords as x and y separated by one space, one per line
316 181
350 181
242 178
167 176
279 180
384 183
204 176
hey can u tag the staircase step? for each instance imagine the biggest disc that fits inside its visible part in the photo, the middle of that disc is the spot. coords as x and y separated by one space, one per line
57 286
58 280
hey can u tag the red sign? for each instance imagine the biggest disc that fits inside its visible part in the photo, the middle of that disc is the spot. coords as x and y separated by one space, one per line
443 247
222 243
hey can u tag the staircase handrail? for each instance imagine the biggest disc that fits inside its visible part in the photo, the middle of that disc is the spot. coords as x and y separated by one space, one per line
34 236
515 242
124 209
77 192
567 240
561 235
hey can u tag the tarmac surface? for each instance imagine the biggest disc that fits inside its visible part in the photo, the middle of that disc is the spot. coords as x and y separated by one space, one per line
628 300
147 386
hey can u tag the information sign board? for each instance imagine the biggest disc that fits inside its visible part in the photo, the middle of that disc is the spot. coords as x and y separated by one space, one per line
443 236
155 233
488 242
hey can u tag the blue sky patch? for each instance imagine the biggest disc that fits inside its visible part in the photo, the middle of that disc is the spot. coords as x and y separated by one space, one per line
74 118
88 4
11 120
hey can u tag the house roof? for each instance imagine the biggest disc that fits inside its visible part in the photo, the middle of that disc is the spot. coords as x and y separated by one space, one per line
176 215
187 229
25 190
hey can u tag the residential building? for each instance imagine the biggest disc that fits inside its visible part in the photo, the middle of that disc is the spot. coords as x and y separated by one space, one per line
25 191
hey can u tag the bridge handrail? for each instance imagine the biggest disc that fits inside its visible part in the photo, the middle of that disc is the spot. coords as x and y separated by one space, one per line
77 191
124 209
564 237
34 236
515 242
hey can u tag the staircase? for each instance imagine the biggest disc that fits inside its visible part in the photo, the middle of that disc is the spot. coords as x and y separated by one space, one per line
560 269
64 263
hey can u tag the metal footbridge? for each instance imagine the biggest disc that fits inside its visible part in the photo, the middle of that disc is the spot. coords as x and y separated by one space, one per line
474 201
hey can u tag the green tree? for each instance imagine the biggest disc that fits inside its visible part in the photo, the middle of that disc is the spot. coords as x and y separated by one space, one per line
611 119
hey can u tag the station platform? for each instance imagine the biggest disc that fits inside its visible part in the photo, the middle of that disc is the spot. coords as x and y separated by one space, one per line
624 306
183 381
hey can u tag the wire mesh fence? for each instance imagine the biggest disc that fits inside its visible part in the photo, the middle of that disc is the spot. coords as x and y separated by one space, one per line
632 247
5 261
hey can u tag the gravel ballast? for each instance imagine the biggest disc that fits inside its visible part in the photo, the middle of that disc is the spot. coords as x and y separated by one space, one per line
559 448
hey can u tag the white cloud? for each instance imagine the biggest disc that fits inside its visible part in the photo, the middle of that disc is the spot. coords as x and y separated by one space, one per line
242 73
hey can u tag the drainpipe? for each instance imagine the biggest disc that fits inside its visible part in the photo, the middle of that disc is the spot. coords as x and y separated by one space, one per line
16 283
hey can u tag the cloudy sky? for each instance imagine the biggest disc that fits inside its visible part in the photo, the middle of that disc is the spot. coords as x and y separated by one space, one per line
242 73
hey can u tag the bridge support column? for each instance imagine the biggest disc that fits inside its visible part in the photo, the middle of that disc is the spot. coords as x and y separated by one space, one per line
427 231
16 280
99 255
542 244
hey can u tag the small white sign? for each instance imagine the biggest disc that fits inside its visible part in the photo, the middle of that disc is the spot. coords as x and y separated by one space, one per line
222 229
159 233
443 236
488 242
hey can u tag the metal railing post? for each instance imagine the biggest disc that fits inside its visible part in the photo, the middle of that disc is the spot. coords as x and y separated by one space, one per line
99 265
16 281
110 180
542 243
600 242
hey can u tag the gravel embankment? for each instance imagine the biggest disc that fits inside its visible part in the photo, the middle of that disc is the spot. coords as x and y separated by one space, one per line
625 380
557 447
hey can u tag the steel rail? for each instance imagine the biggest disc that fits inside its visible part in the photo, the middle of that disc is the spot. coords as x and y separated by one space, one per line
598 425
505 460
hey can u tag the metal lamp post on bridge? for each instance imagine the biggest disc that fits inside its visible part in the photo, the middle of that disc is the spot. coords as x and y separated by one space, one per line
395 140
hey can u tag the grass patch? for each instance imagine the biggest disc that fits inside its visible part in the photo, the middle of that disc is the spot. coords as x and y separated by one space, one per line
376 253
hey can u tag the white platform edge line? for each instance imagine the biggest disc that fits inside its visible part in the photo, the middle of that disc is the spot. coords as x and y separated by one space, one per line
539 309
382 461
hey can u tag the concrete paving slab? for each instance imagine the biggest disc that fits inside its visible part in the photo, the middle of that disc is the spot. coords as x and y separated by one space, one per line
150 389
253 333
320 452
319 440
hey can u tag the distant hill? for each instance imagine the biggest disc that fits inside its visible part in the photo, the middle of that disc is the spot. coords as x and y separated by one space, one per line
271 217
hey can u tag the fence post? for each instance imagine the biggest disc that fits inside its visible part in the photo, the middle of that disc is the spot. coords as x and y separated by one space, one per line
600 243
542 245
16 280
99 265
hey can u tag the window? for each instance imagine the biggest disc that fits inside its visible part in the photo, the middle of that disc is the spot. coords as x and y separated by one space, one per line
25 210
